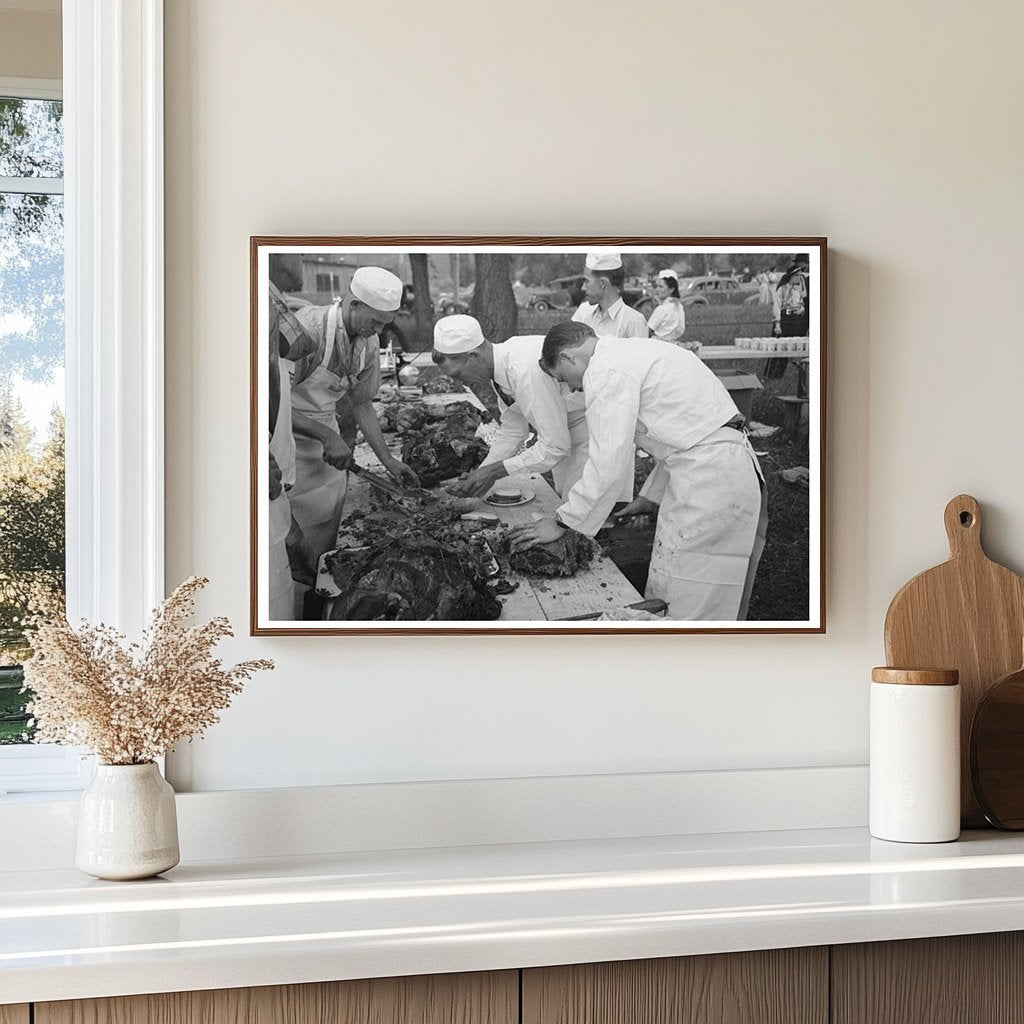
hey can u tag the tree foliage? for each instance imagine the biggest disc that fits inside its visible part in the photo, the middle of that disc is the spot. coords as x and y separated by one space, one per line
32 573
31 243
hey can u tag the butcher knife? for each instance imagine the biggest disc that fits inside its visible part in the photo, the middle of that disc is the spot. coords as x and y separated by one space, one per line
382 483
654 605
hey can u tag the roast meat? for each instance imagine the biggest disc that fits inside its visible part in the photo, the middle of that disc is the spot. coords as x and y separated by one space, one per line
424 566
444 449
562 557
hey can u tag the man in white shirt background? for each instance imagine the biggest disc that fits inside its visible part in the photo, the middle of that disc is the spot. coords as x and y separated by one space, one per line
605 311
707 484
529 400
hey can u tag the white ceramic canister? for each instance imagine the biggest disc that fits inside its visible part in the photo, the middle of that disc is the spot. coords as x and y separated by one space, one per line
915 755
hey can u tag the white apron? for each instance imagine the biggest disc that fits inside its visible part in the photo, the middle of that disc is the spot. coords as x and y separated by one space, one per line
319 491
567 473
282 447
711 526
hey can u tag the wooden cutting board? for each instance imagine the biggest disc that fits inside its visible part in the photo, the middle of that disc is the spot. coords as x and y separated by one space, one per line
967 614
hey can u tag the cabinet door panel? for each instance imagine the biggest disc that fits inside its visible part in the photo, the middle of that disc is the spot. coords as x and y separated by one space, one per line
778 986
960 979
14 1014
483 998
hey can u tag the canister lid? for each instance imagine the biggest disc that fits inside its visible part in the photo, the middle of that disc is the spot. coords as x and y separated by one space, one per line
916 676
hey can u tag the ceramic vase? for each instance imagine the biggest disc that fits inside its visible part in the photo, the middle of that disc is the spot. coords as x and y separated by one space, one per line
127 825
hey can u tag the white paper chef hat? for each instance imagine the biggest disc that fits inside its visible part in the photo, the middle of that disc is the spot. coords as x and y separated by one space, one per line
668 273
604 259
377 287
458 333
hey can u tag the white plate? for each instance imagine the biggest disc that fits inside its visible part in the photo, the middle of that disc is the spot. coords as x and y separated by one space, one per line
527 497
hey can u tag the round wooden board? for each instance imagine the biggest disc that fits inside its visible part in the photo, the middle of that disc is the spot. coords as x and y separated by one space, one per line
997 752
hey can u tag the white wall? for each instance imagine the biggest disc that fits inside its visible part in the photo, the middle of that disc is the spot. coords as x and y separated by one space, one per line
895 129
30 41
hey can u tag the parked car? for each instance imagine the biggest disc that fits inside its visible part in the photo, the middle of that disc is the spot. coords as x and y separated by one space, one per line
561 293
569 292
447 304
711 290
637 293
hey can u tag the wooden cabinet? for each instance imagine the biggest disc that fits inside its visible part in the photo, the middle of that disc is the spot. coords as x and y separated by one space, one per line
967 979
962 979
491 998
778 986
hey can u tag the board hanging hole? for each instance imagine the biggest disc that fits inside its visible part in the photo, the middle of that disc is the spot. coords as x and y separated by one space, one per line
966 519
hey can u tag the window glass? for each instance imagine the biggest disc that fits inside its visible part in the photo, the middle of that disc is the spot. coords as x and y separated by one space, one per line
31 387
31 139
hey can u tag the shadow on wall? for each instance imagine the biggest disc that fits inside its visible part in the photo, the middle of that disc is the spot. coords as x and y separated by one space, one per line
847 439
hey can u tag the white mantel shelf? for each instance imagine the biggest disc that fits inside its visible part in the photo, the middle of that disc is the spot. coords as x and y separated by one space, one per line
225 924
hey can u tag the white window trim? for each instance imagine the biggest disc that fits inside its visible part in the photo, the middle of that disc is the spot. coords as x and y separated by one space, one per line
114 323
32 88
43 768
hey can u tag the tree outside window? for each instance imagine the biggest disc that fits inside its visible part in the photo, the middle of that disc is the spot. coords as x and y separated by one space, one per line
31 386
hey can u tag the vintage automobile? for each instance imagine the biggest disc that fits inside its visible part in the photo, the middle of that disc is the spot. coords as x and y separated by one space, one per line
447 303
569 292
711 290
561 293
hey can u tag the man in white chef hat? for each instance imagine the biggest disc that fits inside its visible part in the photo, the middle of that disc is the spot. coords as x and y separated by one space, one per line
332 394
605 311
528 399
706 485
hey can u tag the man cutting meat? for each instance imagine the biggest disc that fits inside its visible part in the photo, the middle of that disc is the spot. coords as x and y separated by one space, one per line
528 400
707 484
291 562
338 383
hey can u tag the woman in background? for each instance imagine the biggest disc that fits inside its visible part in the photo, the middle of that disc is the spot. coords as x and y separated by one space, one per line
790 310
668 321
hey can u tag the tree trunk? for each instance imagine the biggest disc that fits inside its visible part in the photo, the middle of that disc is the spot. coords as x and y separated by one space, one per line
286 271
494 302
422 306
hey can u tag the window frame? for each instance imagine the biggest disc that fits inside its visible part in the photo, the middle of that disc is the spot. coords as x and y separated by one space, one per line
112 89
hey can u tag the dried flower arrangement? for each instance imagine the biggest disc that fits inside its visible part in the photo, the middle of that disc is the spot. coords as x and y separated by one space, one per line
130 703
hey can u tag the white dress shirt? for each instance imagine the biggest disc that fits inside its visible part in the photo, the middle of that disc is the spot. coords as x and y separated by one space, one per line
668 321
619 321
644 392
539 402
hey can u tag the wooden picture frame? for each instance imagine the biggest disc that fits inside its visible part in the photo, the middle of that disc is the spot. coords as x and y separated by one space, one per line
805 415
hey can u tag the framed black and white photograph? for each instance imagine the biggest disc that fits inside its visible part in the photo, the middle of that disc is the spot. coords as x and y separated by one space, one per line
537 435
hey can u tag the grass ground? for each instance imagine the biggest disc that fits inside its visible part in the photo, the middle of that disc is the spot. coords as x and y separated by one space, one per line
710 325
783 576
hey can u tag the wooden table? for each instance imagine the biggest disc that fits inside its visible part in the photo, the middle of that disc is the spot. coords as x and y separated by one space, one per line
716 353
598 588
